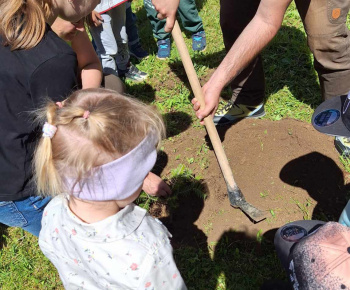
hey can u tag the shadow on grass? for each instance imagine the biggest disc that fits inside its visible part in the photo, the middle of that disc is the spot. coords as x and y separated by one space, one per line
321 177
142 91
210 61
145 30
236 261
200 4
3 233
161 162
176 122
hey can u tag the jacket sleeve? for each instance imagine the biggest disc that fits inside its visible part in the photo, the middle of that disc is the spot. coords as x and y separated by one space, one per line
55 79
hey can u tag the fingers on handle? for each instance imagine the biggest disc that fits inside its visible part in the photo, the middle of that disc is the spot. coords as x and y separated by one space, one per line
170 22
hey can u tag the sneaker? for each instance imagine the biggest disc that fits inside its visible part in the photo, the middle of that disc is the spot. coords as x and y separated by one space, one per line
234 112
199 42
138 52
163 48
342 144
133 73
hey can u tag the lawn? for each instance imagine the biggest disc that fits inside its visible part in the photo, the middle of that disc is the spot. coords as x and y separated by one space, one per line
292 91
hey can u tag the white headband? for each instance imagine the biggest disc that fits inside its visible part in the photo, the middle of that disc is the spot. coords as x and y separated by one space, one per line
120 178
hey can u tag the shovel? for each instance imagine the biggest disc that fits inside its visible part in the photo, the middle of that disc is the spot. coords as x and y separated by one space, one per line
235 195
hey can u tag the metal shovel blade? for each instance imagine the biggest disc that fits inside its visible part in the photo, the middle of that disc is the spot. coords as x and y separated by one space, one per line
237 200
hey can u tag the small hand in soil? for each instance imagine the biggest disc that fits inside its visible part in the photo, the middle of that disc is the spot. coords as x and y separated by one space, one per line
155 186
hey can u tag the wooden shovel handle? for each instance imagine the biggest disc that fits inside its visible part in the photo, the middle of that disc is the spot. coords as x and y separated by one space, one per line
198 93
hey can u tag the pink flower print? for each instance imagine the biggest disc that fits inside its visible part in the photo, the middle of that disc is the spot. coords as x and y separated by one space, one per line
75 261
74 232
133 266
45 213
56 230
148 284
174 276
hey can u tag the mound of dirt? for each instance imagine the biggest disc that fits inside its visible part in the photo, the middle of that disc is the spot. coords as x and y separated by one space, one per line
284 167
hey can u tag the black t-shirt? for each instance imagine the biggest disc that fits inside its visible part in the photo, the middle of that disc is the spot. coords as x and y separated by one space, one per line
27 79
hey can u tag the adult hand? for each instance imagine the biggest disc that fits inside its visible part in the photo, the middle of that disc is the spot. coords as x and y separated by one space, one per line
211 100
167 9
155 186
94 19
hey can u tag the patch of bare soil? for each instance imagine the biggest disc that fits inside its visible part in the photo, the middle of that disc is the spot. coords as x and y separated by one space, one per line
284 167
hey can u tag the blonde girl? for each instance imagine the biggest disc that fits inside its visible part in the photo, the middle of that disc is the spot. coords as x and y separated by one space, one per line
96 150
35 64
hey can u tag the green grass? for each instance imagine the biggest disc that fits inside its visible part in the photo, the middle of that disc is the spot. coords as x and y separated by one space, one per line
236 261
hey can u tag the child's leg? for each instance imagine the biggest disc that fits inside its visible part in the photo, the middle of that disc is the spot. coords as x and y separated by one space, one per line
106 46
125 68
157 24
131 28
190 18
163 38
119 31
135 48
192 22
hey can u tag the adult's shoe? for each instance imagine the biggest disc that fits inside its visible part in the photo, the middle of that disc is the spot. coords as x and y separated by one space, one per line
232 113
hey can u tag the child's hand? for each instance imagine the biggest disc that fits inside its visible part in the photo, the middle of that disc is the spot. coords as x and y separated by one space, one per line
95 19
155 186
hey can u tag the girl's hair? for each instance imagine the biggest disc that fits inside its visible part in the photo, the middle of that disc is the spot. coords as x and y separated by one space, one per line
22 22
116 124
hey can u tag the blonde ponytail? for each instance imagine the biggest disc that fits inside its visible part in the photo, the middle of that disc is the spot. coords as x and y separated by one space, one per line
46 175
22 22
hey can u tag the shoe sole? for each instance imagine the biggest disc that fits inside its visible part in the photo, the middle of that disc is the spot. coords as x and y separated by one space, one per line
205 48
230 122
135 80
163 58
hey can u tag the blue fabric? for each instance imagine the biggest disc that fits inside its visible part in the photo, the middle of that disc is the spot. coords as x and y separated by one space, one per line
199 41
25 213
163 48
131 28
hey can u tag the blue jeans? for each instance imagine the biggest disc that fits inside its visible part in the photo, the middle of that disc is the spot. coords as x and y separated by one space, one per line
24 213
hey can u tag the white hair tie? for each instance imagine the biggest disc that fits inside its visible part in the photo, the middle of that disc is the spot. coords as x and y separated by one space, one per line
49 130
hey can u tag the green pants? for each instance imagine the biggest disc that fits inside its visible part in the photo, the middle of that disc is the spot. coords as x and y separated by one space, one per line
188 13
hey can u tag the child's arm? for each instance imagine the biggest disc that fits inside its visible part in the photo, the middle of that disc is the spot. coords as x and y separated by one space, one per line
155 186
94 19
88 63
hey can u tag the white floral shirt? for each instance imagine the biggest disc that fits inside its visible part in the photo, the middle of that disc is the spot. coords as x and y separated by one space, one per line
129 250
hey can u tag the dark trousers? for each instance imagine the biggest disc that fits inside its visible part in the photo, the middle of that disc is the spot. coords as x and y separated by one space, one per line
188 12
327 37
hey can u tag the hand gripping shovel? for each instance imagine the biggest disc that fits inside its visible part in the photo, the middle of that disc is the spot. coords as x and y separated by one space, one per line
235 195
